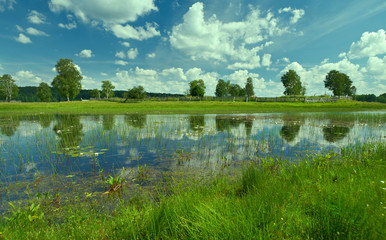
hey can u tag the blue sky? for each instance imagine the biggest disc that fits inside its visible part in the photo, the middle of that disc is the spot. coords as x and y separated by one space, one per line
164 44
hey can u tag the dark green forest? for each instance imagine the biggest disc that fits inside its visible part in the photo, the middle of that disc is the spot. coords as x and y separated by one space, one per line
28 94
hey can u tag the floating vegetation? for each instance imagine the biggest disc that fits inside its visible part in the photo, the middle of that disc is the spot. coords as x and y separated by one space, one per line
80 151
183 157
69 153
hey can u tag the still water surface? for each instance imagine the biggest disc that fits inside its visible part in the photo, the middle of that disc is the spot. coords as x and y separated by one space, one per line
83 146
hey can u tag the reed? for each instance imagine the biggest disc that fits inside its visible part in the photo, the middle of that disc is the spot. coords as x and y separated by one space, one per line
322 196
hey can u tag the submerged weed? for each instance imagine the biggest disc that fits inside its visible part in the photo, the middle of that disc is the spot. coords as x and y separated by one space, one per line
143 172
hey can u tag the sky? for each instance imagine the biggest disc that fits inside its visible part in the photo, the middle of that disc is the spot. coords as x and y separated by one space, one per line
164 44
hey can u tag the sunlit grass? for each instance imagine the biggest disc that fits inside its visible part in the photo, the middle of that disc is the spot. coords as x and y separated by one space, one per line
330 196
184 107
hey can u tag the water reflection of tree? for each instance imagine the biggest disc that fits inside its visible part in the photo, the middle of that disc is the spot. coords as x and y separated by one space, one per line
9 125
197 123
45 120
248 126
334 133
136 120
225 123
291 128
289 132
69 130
96 118
108 122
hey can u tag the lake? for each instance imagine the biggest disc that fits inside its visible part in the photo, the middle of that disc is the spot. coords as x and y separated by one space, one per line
73 155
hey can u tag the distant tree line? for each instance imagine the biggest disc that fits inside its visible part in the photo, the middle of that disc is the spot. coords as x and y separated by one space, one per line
371 98
226 89
67 85
29 94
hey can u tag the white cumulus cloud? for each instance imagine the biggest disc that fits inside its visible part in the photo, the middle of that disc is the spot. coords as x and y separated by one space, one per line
85 53
151 55
23 39
266 62
139 33
376 67
120 54
371 44
35 32
6 4
126 44
68 26
36 17
111 12
238 42
27 78
297 14
121 62
132 53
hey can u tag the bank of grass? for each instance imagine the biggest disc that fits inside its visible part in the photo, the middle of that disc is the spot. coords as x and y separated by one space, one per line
333 196
152 107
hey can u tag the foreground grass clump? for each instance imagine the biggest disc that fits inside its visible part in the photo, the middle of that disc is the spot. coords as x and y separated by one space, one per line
333 196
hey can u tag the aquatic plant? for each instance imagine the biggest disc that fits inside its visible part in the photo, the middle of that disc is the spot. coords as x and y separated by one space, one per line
115 182
143 172
30 213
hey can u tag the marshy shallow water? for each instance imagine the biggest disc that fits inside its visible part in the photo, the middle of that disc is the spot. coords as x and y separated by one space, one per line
73 155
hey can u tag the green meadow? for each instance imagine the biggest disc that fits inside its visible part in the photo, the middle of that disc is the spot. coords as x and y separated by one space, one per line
153 107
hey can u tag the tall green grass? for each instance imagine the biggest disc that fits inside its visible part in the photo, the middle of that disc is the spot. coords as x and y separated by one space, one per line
333 196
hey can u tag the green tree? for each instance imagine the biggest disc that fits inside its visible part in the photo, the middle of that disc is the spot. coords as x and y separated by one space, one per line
222 88
67 82
197 88
249 87
107 89
339 83
292 84
95 93
136 93
235 90
382 98
44 92
8 88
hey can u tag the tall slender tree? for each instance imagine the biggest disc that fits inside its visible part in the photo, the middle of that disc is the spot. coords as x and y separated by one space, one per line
68 80
44 92
96 94
222 88
8 88
107 89
249 87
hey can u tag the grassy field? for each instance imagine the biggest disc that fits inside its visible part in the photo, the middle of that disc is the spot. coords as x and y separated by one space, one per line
333 196
148 107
